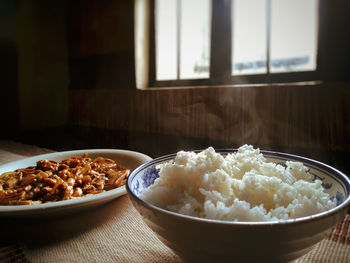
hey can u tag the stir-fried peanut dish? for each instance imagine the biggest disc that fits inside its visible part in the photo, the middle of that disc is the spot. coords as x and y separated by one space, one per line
51 181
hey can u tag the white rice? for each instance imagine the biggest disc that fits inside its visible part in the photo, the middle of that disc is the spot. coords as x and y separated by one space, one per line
242 186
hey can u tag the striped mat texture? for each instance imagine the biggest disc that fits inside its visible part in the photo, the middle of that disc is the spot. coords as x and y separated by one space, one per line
339 235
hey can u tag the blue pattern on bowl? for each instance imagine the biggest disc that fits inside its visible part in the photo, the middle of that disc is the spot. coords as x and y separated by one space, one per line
143 179
136 187
318 177
150 175
339 197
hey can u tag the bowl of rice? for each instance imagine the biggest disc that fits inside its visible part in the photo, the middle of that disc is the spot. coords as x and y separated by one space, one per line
239 204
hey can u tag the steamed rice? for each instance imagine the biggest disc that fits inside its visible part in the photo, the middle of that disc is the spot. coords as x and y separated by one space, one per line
242 186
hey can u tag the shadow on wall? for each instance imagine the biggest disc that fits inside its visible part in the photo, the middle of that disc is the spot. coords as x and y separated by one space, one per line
8 66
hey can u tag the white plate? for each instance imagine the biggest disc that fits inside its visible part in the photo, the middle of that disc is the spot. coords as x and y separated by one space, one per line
127 159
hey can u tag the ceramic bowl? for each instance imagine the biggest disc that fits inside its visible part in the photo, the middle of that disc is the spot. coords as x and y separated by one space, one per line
205 240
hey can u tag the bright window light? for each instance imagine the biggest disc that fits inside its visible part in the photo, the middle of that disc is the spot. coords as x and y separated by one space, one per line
284 30
195 39
293 35
182 39
166 39
249 37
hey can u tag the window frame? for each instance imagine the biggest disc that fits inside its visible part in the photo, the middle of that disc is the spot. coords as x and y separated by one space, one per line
220 58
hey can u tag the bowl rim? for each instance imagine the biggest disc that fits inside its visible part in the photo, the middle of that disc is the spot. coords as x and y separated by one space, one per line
340 176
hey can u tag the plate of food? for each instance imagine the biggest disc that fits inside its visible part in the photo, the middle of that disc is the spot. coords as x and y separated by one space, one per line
63 182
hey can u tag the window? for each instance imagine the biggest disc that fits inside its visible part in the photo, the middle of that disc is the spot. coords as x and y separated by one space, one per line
215 42
273 37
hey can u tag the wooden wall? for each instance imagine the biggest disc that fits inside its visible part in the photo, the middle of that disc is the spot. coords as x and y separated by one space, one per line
75 67
312 117
8 66
43 75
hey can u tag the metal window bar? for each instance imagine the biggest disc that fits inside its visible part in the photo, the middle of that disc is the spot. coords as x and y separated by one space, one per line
220 59
268 35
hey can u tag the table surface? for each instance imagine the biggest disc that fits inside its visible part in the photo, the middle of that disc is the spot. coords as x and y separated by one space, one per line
113 232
